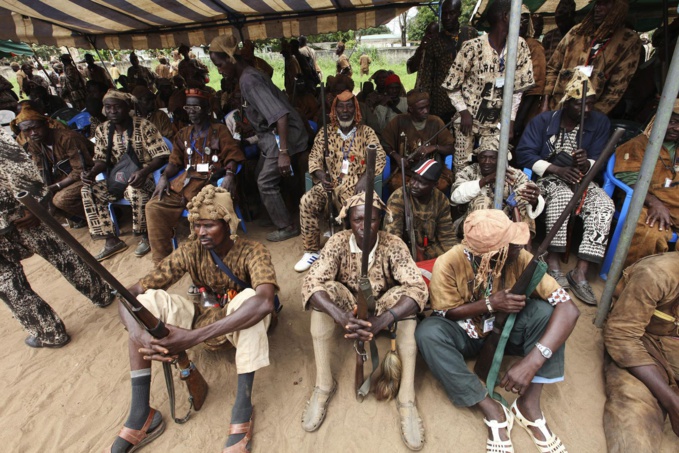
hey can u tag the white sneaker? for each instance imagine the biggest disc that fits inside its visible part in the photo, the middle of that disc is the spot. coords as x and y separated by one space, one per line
307 260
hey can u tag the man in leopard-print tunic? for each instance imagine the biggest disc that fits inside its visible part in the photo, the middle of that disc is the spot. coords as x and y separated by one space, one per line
22 235
347 142
241 315
331 288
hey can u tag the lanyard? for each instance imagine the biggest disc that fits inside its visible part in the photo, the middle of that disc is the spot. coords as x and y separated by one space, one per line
345 152
193 141
598 51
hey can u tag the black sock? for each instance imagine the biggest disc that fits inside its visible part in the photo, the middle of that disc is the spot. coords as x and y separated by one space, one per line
139 408
242 408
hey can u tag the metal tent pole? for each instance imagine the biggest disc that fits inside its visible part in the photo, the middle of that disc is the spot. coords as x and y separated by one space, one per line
662 119
507 93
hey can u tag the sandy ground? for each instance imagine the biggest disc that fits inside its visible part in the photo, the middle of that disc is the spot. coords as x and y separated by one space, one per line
75 399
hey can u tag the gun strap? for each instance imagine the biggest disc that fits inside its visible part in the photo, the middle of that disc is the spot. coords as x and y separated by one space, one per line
169 382
491 380
375 359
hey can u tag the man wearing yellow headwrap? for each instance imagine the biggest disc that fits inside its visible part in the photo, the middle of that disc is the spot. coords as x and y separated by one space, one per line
549 146
120 136
471 282
339 172
660 215
232 312
601 45
331 288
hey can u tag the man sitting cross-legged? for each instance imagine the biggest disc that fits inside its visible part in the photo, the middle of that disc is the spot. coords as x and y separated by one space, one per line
243 321
331 288
432 222
469 284
347 141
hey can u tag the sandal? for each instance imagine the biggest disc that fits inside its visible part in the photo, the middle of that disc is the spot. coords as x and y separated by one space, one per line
412 429
142 437
314 413
552 445
106 252
495 445
243 446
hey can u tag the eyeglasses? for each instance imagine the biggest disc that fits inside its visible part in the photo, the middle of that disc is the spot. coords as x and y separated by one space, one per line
192 108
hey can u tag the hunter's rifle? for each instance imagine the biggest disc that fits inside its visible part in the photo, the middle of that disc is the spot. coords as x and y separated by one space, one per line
408 213
576 210
189 373
410 158
365 302
490 349
326 167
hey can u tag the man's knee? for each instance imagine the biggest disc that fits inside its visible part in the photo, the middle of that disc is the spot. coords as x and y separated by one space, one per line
431 332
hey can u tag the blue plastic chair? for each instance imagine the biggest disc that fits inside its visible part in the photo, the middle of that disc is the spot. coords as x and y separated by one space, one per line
81 121
168 142
610 184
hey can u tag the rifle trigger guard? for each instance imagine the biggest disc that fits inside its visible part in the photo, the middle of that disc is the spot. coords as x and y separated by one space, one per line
364 354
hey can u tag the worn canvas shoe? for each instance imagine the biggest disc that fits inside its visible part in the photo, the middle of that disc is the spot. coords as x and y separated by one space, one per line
282 234
559 277
143 248
582 290
307 260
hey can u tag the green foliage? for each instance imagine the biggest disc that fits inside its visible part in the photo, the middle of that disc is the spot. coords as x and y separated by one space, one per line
467 8
418 24
382 29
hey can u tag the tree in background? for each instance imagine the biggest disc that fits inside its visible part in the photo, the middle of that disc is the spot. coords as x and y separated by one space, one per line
403 23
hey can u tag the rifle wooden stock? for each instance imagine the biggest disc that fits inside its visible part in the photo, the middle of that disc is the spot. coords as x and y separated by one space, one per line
195 381
408 213
485 358
326 154
365 299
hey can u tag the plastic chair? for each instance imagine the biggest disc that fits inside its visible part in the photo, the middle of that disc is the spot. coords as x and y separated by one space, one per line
80 121
168 142
610 184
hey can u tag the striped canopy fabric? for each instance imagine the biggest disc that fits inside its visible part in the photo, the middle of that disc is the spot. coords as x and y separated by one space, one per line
645 15
155 24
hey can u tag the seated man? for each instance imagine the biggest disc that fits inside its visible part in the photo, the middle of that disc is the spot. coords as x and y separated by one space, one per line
549 146
331 289
642 364
466 289
145 107
475 185
242 322
393 104
413 131
22 235
47 102
432 222
348 139
57 154
198 151
120 136
660 216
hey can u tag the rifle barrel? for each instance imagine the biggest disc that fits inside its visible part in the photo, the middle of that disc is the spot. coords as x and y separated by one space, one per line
583 111
367 221
137 310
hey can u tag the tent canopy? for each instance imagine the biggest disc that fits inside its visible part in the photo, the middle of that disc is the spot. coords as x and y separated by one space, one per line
645 14
12 49
151 24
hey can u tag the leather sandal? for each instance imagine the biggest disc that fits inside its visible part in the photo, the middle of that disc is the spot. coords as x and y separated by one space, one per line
412 429
494 444
314 413
142 437
552 444
243 446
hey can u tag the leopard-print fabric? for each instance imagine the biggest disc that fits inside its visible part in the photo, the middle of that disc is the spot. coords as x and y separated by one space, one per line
392 267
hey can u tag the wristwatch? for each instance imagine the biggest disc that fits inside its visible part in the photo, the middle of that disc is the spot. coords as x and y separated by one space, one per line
544 350
489 306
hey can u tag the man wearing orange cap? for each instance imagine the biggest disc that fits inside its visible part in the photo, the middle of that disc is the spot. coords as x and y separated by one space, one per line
280 129
199 151
394 104
471 282
347 142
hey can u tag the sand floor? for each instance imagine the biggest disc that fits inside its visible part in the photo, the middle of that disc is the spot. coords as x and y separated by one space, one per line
75 399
